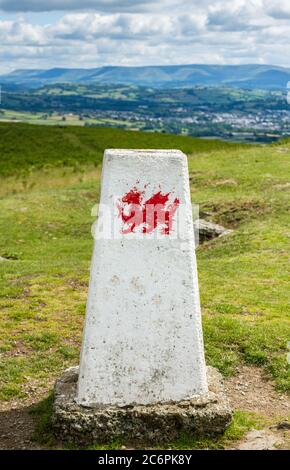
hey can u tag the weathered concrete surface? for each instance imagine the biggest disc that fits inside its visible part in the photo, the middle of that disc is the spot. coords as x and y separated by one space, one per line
207 415
143 338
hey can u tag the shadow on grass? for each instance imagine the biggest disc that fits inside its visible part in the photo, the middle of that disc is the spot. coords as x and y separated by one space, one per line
27 427
42 414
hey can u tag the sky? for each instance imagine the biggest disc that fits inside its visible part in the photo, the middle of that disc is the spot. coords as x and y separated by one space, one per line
91 33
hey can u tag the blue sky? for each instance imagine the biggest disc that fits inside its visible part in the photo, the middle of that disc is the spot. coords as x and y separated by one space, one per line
90 33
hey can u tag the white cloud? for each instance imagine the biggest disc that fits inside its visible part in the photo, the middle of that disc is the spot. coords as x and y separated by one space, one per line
278 9
229 31
63 5
236 15
20 33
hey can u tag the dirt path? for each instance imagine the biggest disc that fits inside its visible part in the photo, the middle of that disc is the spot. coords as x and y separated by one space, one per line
16 430
17 423
249 390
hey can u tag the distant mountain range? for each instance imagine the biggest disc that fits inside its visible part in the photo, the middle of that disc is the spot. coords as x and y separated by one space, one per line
265 77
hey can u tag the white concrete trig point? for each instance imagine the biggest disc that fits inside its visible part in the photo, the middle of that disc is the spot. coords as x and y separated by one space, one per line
142 341
143 338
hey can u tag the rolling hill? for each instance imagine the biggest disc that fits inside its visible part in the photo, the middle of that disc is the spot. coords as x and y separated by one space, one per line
238 76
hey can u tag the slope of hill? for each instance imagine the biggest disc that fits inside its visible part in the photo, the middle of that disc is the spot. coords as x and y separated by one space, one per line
25 147
242 76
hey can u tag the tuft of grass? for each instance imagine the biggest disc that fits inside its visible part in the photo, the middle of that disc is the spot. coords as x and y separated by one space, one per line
243 421
42 341
115 444
11 391
230 341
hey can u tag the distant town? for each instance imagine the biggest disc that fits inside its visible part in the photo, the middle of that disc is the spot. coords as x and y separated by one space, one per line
208 112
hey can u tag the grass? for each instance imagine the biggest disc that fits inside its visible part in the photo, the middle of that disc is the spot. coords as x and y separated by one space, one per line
59 119
25 147
244 277
50 180
42 413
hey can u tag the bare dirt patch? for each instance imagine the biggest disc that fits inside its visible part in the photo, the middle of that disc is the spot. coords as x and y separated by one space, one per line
17 429
232 214
18 423
283 186
250 390
227 182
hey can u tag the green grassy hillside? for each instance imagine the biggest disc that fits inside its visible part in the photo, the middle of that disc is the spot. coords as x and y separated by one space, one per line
26 147
49 184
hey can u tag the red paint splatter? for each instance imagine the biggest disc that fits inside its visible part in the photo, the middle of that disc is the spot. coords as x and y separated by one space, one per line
147 215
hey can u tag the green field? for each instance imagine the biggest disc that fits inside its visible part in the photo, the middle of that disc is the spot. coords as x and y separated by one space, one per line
49 182
58 119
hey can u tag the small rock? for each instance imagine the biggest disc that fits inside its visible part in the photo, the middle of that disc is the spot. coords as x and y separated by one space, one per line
259 440
283 425
209 230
